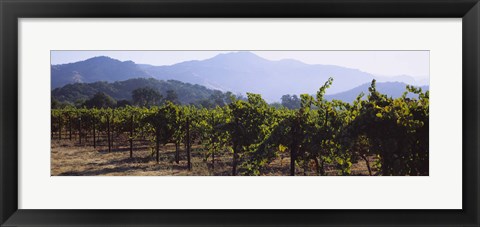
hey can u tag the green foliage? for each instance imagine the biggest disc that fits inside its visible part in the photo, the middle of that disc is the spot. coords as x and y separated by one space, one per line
172 97
397 131
100 100
185 93
146 97
393 134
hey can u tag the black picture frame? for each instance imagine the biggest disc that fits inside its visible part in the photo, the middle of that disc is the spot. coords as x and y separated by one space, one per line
12 10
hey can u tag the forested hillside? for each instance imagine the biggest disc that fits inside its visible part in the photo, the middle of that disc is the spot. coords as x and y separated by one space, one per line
122 90
187 93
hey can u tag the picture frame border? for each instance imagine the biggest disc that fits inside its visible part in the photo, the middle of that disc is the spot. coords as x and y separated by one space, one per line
12 10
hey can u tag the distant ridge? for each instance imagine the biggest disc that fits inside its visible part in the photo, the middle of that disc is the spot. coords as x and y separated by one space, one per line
191 93
391 89
238 72
95 69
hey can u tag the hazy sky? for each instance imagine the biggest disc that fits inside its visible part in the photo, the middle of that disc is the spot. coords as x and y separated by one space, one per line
384 63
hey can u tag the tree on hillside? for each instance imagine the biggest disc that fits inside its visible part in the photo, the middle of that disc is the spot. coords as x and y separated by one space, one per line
100 100
291 101
172 97
146 97
55 104
123 103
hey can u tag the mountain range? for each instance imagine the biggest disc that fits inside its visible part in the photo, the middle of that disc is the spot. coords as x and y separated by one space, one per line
238 72
392 89
193 93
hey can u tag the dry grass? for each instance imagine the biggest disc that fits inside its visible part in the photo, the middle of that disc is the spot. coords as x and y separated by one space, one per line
70 158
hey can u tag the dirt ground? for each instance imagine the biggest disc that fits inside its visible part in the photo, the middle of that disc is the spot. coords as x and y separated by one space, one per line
70 158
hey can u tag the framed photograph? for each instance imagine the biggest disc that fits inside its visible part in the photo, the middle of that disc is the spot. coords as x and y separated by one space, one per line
230 113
